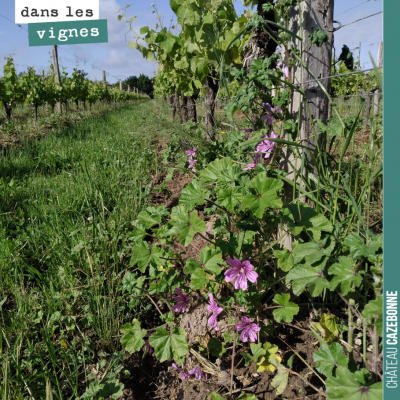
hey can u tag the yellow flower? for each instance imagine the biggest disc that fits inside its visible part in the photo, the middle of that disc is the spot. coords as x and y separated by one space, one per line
160 268
222 133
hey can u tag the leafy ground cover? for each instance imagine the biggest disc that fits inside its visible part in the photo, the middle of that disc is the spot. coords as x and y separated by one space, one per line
111 246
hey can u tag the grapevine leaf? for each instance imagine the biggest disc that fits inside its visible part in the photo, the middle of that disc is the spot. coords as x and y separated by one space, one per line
220 171
305 275
113 389
132 339
288 310
193 195
216 348
210 258
301 217
374 309
285 259
345 275
229 198
169 344
328 357
318 37
185 226
198 279
266 194
345 386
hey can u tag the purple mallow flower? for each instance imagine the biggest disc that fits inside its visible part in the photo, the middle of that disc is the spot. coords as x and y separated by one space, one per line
248 329
191 152
269 116
243 271
182 374
197 372
215 310
249 166
181 300
266 146
191 163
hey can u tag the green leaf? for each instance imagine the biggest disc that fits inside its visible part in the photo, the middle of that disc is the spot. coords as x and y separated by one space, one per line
327 327
220 171
305 275
270 360
301 217
143 256
113 389
198 280
92 391
288 310
374 309
312 251
247 396
345 386
132 45
185 227
216 348
191 266
329 357
144 30
318 37
358 249
132 339
229 198
211 259
257 352
147 220
280 380
133 284
168 45
169 345
266 194
139 233
216 396
345 275
193 195
285 259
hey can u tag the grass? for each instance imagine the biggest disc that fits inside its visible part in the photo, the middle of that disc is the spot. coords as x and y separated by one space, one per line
66 204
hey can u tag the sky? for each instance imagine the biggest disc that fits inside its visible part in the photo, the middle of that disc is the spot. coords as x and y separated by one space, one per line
120 62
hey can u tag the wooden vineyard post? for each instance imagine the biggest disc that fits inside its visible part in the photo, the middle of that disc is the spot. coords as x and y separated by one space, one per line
43 75
120 84
129 88
104 77
318 60
56 72
379 62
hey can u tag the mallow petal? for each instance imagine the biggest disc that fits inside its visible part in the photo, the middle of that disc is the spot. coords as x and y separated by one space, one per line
235 263
231 274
